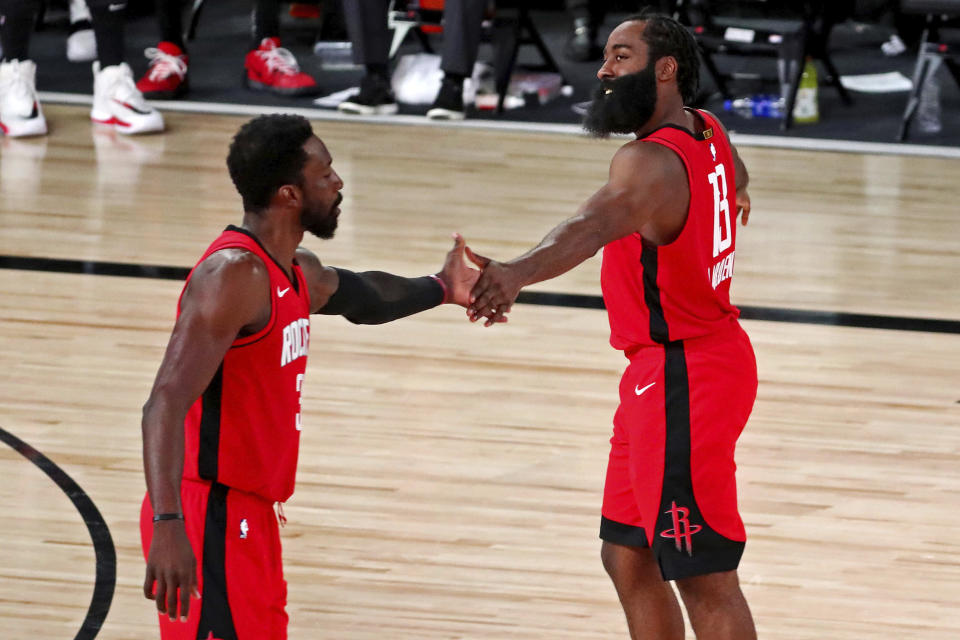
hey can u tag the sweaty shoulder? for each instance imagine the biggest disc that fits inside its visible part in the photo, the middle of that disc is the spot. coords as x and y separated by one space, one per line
322 281
232 284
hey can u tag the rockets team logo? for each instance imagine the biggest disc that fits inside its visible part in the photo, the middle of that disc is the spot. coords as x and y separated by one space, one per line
682 532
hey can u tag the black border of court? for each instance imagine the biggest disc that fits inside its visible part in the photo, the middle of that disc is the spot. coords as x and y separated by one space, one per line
106 554
581 301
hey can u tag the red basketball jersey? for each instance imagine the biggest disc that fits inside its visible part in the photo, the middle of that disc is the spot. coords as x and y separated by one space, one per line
681 290
244 430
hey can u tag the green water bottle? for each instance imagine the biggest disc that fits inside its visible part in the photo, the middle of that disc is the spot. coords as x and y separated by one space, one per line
805 109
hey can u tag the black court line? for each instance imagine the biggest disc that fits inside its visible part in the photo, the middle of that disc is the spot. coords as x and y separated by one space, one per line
575 300
106 554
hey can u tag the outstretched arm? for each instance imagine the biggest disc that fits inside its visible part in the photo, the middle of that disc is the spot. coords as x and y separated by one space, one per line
643 194
375 297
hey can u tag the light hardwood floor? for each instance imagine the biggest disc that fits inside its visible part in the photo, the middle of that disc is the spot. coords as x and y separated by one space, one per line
451 475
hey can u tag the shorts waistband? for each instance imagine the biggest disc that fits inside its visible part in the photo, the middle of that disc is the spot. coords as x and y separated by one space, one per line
700 342
206 484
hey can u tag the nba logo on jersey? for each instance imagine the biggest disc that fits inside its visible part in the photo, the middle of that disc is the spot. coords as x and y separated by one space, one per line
244 528
713 152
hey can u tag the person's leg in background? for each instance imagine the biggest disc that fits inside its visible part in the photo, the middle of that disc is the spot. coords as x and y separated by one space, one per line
462 26
166 77
81 43
20 113
116 100
367 24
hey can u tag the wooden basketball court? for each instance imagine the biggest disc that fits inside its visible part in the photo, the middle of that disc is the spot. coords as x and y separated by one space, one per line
451 475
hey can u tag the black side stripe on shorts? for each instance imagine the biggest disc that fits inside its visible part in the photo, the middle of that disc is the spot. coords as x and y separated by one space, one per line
651 295
685 545
209 449
215 615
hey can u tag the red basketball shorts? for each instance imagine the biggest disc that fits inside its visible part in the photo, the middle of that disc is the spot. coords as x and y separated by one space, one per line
671 475
236 541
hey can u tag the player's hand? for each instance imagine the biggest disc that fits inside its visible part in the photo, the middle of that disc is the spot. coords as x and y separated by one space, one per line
743 205
494 293
172 566
457 274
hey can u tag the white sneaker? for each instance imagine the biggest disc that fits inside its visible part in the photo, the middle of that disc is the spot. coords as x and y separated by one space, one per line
118 102
893 47
20 113
81 43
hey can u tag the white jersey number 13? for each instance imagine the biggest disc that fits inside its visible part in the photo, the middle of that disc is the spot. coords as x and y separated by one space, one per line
722 238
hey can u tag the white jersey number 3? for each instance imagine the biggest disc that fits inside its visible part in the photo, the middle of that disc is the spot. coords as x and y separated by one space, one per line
299 399
722 238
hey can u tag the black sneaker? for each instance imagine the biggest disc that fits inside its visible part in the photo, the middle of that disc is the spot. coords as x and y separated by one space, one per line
449 102
375 98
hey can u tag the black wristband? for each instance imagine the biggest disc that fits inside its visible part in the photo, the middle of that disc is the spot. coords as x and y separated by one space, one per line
167 516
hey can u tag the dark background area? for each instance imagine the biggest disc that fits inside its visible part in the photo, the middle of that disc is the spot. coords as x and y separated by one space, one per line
223 36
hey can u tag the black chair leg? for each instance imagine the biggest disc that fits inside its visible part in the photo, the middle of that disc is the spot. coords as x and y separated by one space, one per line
424 40
835 78
195 11
714 72
919 78
793 56
526 24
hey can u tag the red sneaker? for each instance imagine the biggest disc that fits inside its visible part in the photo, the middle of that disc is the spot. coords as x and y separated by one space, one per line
272 68
166 78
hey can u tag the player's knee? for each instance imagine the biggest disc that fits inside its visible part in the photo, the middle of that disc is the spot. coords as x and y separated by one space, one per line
608 556
614 558
625 564
713 590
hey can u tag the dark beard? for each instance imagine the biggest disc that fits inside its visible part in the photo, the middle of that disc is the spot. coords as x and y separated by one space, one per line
622 105
319 224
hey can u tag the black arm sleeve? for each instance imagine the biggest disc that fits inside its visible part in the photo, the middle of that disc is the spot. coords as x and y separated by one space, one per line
375 297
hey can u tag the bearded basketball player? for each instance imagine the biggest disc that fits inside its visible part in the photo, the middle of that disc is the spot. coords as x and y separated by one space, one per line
666 222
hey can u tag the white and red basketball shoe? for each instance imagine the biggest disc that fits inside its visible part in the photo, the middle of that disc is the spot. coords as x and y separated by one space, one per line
117 101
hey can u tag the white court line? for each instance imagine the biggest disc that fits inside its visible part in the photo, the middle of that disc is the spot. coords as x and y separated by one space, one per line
746 140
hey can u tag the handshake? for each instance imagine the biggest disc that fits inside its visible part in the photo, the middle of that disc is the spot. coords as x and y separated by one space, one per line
485 293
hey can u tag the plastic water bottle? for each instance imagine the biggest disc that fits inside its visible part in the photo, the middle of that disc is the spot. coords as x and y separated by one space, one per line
767 106
928 111
741 106
760 105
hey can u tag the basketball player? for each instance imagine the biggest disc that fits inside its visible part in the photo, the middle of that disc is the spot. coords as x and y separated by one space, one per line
666 221
221 428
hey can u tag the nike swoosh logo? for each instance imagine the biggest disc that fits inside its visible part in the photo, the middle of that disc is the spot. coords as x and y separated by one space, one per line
281 293
117 7
637 390
131 107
